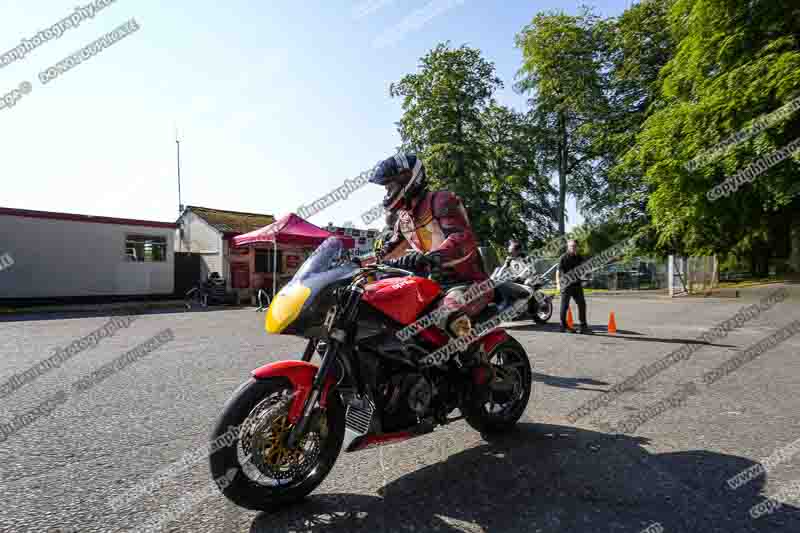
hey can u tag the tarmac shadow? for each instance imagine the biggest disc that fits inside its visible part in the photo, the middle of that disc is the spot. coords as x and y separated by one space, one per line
569 383
556 328
549 478
602 331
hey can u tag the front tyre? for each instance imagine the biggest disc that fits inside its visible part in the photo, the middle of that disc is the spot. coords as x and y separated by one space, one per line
541 312
260 472
497 406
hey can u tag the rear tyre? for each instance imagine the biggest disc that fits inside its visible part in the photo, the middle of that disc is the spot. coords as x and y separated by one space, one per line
261 473
493 411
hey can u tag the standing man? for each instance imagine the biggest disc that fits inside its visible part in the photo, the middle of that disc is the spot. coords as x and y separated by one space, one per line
569 262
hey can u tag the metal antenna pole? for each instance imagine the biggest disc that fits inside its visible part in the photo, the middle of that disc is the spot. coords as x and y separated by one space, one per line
178 145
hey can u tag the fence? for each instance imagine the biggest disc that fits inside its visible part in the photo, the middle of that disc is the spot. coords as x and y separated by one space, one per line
692 275
640 273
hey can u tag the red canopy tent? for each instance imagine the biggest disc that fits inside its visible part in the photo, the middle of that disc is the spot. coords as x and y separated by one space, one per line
289 229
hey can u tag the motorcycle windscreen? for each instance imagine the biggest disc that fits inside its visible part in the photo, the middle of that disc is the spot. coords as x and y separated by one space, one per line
288 304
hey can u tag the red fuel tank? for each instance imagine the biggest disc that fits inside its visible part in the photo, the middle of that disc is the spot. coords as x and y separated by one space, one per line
402 299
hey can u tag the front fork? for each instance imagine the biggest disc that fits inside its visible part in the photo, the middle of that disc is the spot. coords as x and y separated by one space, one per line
311 347
299 429
337 336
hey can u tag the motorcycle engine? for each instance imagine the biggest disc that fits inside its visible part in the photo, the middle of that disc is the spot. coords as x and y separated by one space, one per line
407 397
420 394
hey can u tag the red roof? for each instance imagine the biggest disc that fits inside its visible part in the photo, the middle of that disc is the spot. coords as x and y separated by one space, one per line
84 218
290 229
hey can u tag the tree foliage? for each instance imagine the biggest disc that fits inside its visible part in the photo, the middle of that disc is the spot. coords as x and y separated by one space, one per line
734 62
561 70
618 108
474 147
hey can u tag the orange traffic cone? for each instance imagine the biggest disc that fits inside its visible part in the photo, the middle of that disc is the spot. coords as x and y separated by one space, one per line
570 322
612 324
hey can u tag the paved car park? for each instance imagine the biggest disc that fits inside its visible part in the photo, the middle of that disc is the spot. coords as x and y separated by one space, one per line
60 471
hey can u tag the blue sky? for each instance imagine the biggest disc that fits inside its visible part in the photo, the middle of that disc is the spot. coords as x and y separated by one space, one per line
276 102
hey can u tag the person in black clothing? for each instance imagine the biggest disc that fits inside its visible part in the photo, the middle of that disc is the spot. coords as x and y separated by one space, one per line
570 261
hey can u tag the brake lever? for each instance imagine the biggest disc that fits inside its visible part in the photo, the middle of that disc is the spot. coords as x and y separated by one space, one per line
389 270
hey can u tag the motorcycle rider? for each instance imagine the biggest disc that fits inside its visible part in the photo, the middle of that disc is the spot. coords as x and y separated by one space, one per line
516 257
436 228
515 250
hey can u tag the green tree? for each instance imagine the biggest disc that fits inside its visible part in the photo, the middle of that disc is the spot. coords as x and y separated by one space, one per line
519 195
636 46
735 61
561 69
451 120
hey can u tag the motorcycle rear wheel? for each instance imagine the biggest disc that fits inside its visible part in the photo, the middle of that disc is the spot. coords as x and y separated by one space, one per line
510 361
261 419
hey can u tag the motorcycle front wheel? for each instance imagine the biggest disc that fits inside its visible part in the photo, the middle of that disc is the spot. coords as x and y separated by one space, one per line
541 312
248 446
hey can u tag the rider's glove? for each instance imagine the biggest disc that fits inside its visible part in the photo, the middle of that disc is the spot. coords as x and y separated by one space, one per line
418 262
412 262
433 260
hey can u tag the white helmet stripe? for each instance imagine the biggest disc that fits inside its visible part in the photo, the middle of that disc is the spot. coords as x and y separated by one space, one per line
417 169
402 161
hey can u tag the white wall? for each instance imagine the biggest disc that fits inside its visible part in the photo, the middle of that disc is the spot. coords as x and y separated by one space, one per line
60 258
200 238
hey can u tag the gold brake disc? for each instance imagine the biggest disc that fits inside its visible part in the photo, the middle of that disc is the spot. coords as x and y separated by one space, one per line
275 459
273 447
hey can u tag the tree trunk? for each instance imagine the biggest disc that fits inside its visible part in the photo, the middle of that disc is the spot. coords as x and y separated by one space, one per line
794 239
765 264
760 262
562 173
460 170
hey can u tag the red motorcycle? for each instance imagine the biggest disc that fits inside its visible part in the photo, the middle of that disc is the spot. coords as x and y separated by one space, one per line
291 420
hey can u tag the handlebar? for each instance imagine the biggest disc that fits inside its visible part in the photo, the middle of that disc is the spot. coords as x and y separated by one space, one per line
379 267
390 270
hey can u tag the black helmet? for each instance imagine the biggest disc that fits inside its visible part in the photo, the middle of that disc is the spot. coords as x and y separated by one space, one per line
404 177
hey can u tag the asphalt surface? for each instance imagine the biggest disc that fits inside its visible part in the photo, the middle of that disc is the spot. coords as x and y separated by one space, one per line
59 472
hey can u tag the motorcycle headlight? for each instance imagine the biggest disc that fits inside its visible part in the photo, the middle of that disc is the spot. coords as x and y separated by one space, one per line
285 307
